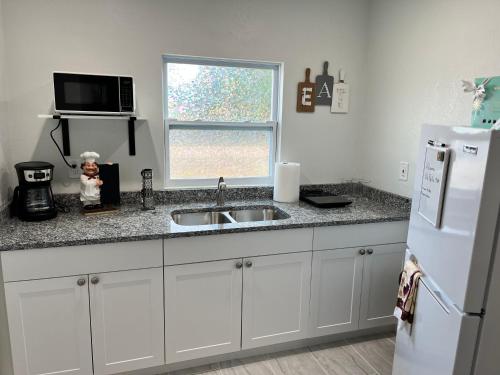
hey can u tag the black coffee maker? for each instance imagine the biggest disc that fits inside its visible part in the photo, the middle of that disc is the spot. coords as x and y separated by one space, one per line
33 199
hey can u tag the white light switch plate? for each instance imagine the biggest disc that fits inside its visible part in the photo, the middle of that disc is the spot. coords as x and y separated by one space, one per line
403 171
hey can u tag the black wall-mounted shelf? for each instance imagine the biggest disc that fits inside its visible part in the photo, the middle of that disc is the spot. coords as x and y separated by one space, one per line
65 128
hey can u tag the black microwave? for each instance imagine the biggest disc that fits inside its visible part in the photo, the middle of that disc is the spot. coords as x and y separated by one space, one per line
93 94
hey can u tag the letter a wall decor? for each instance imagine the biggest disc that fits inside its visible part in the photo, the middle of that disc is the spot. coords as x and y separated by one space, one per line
306 94
324 87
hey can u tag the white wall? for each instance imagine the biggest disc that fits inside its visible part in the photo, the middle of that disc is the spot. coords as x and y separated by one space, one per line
404 61
5 161
418 53
125 36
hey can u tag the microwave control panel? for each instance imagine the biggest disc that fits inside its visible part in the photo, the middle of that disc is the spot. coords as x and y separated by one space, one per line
126 94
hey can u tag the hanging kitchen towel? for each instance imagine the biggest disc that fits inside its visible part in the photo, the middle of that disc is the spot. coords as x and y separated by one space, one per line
407 293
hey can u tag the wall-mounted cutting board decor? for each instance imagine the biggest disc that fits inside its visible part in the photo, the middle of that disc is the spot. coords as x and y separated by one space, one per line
340 100
306 94
324 87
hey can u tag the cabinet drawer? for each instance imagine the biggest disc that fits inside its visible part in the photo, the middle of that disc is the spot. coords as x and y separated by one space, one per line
76 260
343 236
236 245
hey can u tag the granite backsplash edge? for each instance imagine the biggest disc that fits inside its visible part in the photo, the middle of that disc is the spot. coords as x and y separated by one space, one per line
353 189
4 213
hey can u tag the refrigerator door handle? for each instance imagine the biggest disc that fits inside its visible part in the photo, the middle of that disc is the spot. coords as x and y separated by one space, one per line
437 297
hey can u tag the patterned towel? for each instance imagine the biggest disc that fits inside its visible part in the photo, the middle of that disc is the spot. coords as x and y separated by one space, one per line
407 293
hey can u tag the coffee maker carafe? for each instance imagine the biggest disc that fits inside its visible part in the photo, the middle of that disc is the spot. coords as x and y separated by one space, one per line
33 199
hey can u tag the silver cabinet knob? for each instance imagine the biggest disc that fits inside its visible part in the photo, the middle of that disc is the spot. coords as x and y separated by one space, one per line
248 263
81 281
239 265
369 251
94 280
362 251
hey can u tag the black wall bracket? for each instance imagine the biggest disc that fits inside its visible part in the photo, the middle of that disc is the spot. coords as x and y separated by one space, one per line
65 136
131 136
65 133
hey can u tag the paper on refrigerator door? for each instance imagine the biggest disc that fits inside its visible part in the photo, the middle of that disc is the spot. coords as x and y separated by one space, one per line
433 184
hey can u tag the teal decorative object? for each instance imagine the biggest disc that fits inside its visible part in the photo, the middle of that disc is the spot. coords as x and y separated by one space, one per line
486 103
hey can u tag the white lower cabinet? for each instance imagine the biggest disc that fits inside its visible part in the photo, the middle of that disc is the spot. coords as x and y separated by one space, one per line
49 325
382 265
203 304
202 309
354 288
336 289
127 320
276 292
51 322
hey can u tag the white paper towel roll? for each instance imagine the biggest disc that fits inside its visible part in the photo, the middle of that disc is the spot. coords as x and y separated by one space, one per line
286 182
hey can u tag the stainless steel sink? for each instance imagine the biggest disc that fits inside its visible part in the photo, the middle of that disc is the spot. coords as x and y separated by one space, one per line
219 216
256 214
200 218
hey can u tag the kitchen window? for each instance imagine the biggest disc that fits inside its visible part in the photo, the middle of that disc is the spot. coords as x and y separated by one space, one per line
221 119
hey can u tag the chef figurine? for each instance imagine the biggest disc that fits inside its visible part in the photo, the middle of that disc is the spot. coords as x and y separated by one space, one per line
90 184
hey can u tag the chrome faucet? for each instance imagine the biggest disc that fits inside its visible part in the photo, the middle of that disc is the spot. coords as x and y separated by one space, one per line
221 187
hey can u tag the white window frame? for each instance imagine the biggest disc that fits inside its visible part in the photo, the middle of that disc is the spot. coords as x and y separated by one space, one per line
276 110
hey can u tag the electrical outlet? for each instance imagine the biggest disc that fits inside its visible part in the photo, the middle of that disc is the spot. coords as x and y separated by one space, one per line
403 170
74 172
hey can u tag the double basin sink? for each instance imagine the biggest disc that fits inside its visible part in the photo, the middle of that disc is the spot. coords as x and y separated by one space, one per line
218 216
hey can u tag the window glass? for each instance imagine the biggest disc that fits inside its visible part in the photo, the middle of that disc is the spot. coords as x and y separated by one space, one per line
219 93
207 153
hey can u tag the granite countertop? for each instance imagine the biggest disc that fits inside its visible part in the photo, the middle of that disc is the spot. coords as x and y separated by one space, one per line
131 223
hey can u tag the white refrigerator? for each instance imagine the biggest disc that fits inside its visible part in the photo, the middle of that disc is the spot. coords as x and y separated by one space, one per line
453 236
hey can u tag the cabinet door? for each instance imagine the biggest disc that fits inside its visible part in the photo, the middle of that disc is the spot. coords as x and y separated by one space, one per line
202 309
127 320
276 293
49 326
380 284
335 291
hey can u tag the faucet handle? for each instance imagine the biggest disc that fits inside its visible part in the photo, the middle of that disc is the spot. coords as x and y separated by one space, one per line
221 187
221 183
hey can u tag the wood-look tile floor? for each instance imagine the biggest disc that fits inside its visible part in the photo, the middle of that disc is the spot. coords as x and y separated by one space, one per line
370 355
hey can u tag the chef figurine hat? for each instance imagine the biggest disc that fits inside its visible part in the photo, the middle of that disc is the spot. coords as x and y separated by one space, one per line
89 156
